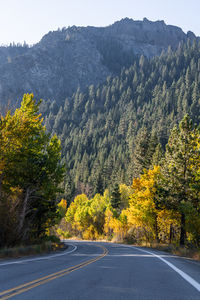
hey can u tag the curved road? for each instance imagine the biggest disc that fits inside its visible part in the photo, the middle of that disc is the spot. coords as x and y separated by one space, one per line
96 270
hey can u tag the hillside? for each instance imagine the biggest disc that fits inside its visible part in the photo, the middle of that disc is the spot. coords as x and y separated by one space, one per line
110 133
80 56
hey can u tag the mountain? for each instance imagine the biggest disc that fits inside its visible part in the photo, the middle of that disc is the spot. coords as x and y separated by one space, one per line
80 56
112 132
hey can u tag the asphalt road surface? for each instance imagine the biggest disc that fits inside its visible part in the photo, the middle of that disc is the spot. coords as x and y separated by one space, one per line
95 270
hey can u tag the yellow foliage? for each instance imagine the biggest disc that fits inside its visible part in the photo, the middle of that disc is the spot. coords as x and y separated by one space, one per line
142 210
87 216
90 233
79 201
62 207
115 225
167 220
125 192
63 204
108 219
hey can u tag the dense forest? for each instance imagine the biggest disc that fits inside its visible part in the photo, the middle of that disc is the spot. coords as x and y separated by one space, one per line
161 205
111 132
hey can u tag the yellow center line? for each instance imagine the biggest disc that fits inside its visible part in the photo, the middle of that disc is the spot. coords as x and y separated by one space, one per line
30 285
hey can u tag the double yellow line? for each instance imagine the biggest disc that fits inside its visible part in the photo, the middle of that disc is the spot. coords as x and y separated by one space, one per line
30 285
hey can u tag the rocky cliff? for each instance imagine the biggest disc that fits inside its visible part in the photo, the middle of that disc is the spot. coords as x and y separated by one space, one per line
80 56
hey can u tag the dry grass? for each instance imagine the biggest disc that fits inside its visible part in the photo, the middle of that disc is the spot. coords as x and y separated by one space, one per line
20 251
191 253
180 251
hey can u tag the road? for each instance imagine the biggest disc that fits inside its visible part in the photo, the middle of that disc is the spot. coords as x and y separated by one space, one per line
97 270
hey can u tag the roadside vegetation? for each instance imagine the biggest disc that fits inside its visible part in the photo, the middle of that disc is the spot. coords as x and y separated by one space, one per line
30 176
19 251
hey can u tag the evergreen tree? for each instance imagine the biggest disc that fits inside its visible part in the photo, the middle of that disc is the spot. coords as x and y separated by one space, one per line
157 156
98 187
178 172
115 196
140 159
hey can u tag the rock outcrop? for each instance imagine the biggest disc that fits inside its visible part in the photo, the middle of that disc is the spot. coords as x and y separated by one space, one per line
79 56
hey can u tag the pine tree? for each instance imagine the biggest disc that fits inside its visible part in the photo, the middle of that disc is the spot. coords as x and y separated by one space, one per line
157 156
140 161
115 196
178 172
98 187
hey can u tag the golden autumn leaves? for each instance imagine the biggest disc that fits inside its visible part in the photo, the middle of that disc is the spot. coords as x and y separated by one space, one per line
96 218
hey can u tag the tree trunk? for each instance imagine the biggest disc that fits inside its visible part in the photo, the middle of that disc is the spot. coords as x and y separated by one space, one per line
23 213
156 230
1 178
183 232
170 233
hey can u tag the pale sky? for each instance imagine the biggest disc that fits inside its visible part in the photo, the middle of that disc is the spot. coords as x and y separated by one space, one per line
29 20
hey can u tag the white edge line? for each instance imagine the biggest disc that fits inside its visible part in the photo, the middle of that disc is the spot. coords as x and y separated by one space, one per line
189 279
40 258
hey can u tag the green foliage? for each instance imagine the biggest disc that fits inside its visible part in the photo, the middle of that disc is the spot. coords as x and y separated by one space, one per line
115 200
161 205
98 185
113 129
180 167
30 173
86 217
